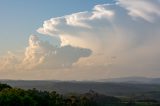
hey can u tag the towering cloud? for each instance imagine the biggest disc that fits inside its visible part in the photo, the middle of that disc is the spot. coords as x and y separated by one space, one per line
44 55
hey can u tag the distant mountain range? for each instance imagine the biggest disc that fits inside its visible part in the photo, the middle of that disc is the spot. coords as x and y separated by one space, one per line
132 80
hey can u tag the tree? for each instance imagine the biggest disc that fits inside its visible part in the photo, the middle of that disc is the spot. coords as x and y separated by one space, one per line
4 86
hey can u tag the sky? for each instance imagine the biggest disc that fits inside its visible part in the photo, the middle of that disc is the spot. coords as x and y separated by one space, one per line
20 18
79 39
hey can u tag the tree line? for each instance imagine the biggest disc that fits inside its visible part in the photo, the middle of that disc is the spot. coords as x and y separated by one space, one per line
19 97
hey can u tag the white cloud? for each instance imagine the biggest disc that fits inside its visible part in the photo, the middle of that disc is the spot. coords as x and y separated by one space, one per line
8 62
101 11
77 19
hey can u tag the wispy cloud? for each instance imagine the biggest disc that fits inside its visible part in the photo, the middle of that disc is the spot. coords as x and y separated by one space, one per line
145 9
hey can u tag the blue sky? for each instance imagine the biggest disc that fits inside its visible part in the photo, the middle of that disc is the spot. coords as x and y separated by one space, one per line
20 18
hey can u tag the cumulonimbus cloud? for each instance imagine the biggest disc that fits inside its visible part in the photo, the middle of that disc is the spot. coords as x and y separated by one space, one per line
122 30
121 37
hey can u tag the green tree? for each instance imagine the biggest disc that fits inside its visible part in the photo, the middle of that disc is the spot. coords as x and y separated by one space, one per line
4 86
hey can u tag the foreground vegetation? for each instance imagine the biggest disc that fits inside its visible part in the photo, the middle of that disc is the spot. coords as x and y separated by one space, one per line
18 97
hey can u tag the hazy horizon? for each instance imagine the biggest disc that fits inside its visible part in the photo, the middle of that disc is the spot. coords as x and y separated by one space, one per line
79 39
